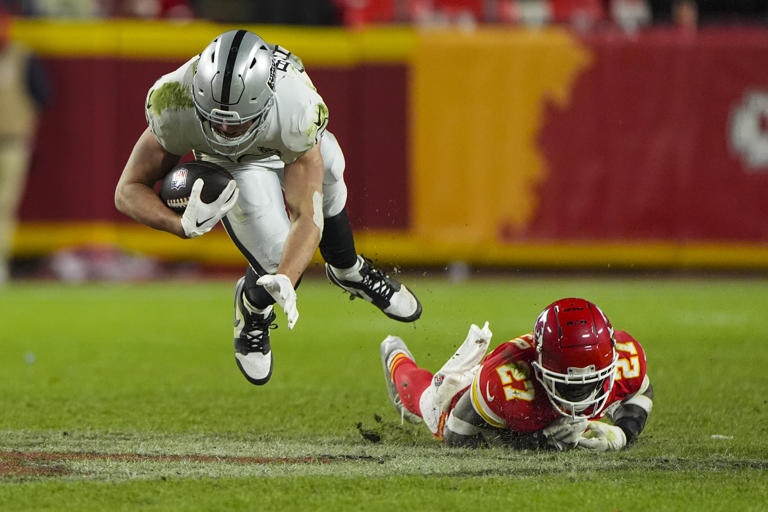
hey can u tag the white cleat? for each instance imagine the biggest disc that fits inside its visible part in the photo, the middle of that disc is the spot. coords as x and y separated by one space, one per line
391 348
253 354
384 292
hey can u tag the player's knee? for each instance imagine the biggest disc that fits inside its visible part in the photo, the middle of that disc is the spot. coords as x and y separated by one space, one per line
334 200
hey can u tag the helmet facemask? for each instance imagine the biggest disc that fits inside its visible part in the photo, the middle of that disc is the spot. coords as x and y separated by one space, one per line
232 90
579 393
239 141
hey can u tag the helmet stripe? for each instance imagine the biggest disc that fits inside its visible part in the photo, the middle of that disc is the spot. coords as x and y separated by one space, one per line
230 66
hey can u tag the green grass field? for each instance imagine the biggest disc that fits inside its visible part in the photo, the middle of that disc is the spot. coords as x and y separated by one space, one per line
126 397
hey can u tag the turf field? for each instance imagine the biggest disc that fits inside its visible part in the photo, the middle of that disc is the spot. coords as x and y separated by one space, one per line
126 397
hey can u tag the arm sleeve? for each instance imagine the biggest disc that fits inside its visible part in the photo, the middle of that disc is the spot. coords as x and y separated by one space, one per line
632 414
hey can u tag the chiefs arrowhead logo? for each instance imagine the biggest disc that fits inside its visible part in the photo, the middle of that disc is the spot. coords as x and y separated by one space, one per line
749 130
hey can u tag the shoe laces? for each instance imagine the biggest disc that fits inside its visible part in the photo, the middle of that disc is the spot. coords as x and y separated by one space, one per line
255 333
376 281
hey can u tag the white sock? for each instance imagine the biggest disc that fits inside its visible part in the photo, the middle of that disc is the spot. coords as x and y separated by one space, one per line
349 274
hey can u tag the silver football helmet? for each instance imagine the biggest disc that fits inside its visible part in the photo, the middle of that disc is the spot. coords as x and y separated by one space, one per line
232 89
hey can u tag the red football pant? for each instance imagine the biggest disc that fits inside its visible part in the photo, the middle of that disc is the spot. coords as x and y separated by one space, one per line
411 381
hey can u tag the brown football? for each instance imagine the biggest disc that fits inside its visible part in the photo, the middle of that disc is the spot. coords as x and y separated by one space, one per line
177 184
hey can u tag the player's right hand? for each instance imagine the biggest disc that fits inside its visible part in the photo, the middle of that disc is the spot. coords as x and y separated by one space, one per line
280 288
601 437
564 433
199 217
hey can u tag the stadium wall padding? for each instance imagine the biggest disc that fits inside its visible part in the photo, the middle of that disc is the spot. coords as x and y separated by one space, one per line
496 147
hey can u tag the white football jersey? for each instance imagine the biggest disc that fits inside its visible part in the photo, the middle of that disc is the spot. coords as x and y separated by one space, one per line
293 125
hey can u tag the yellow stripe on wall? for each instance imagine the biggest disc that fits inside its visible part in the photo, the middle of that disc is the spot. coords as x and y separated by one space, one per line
155 39
401 248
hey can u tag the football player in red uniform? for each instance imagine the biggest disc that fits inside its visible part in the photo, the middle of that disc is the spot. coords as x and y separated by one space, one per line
551 388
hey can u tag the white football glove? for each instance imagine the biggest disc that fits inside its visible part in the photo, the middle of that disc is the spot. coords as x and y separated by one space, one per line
564 433
199 217
601 437
281 289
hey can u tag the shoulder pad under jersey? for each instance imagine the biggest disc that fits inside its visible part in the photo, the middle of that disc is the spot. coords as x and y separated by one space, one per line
170 111
302 115
631 365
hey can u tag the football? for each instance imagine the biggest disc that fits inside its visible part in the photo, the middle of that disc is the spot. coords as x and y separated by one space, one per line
177 184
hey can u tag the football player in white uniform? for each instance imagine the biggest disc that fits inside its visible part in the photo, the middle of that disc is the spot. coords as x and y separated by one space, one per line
250 107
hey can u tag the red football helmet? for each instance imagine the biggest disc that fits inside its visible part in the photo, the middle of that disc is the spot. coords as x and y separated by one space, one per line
576 356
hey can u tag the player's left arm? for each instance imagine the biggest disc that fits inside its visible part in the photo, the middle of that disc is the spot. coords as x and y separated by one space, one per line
304 200
634 401
629 419
632 413
635 406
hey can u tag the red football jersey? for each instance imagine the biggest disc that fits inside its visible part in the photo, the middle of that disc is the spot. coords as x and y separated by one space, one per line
506 393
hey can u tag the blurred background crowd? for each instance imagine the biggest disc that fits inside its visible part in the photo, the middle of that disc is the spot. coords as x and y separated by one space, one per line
582 13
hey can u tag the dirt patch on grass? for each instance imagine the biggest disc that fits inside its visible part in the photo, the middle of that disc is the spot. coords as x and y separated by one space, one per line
16 464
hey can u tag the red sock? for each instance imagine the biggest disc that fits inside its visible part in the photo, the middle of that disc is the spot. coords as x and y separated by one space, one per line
410 380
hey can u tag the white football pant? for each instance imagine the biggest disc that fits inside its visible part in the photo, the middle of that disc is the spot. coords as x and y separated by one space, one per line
258 224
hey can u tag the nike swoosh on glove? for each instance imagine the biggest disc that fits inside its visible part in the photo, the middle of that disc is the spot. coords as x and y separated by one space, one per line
601 437
280 288
199 217
564 433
